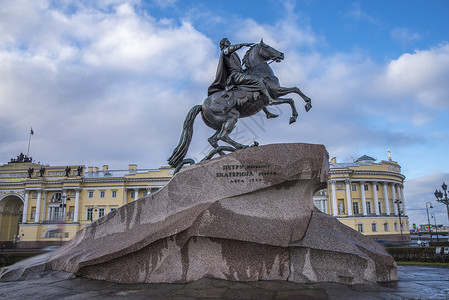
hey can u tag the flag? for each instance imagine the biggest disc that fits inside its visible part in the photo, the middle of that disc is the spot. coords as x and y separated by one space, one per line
32 132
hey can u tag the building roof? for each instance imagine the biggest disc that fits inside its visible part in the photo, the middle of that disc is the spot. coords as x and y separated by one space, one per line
365 160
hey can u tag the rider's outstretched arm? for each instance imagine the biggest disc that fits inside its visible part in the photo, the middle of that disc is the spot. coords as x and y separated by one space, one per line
235 47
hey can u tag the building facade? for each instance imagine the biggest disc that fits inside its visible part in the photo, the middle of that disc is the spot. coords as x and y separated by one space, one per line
368 197
46 205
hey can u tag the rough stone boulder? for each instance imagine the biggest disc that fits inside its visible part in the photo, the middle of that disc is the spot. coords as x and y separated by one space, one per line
245 216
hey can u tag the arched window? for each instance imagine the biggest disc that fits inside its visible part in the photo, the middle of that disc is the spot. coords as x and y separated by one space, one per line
52 233
56 197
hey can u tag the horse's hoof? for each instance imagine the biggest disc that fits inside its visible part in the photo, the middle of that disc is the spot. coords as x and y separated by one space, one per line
272 116
255 144
292 120
308 106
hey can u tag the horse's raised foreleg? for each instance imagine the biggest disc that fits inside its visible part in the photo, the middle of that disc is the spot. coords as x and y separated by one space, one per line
282 91
292 105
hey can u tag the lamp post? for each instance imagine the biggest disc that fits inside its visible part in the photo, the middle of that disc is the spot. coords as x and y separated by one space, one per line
442 197
428 219
436 230
399 214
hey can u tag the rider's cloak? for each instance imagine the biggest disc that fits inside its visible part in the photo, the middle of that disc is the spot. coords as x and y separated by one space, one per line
226 79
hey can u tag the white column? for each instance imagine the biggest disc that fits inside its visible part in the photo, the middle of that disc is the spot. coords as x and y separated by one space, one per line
44 204
148 191
399 197
376 199
25 207
38 207
334 199
77 206
404 212
387 202
393 196
48 213
136 194
362 193
348 197
64 203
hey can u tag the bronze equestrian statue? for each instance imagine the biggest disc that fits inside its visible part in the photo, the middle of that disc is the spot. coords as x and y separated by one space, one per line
237 93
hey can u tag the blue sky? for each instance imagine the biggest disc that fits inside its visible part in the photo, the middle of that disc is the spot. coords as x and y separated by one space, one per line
110 82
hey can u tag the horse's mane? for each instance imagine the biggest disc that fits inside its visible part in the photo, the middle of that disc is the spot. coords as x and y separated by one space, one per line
245 59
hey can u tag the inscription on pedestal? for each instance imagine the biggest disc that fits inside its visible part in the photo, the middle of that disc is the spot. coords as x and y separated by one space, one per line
242 173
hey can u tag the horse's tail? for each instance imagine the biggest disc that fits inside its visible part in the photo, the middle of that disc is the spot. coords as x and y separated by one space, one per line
186 137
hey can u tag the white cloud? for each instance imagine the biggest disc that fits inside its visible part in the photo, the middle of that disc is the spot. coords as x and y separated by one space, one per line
98 81
421 76
404 36
110 84
357 14
418 192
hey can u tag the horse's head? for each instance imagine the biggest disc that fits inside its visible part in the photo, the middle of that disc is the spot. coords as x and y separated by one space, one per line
269 53
260 53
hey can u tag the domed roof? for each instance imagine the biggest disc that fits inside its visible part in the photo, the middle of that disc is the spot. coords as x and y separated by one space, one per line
365 159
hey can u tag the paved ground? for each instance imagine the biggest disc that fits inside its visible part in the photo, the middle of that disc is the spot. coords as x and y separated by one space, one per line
414 283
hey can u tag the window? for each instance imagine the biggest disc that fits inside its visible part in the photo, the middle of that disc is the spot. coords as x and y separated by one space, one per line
54 213
354 187
101 194
132 195
374 227
396 226
33 213
52 233
89 214
100 212
355 207
386 229
66 234
368 207
380 207
91 194
366 187
377 187
114 194
56 197
360 227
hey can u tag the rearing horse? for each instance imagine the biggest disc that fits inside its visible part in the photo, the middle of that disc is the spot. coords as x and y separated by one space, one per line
221 110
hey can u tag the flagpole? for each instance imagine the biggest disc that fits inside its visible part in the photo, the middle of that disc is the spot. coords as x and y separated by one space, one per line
29 142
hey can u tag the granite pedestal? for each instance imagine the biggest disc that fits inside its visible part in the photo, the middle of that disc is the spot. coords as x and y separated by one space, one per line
245 216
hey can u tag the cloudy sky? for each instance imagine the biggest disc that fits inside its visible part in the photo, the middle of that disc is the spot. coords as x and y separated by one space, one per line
110 82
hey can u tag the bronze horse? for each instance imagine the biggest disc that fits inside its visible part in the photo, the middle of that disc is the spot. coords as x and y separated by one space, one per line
221 110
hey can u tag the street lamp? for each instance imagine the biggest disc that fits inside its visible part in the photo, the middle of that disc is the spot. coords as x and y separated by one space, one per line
436 230
399 214
428 219
439 195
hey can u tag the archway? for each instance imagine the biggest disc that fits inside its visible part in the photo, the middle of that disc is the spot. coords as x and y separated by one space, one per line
11 208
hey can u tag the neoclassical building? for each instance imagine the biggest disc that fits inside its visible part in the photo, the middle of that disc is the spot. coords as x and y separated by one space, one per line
367 196
46 205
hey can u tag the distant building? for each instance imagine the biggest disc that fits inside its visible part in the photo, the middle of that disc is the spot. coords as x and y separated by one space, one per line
43 205
368 197
46 205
